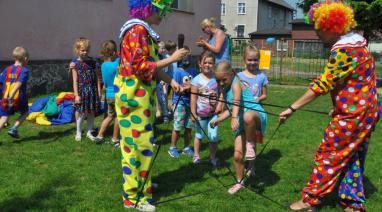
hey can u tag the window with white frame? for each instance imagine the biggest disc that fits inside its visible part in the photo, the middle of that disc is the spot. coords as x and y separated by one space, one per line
223 9
282 45
240 31
240 8
183 5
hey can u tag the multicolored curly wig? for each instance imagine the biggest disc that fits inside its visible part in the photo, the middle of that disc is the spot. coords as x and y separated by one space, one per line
143 9
333 16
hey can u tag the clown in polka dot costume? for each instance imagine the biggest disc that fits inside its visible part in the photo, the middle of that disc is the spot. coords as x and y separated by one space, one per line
349 77
139 65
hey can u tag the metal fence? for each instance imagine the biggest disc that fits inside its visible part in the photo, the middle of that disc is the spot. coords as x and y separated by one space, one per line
291 61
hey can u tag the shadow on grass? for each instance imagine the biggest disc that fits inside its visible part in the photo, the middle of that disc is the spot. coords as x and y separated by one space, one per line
46 136
49 196
265 177
173 182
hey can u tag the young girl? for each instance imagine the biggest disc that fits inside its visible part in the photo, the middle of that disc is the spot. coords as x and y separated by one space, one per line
234 92
86 86
109 69
204 84
256 81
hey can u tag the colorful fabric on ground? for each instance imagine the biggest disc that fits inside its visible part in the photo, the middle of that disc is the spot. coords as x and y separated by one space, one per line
133 108
68 96
51 108
87 76
46 111
350 78
8 78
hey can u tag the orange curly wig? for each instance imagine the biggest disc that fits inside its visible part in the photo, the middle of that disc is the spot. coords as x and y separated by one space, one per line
333 16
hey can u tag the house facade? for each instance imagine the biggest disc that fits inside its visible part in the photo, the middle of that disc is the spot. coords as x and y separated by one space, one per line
239 17
48 28
242 17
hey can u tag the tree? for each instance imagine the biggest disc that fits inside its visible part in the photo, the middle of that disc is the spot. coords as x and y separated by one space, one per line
368 15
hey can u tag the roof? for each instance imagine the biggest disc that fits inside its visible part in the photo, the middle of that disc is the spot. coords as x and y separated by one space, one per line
282 3
276 32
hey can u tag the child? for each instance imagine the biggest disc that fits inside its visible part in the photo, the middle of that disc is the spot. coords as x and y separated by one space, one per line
256 81
237 94
161 88
204 84
182 118
86 86
14 96
109 69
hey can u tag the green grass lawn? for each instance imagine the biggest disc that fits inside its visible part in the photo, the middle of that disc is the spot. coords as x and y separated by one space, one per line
47 170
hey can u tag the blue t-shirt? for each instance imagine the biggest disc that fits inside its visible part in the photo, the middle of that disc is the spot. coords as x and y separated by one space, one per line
183 77
109 70
255 84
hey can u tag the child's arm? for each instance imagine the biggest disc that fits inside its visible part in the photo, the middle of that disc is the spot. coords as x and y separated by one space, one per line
219 106
13 92
223 116
263 95
75 84
235 108
99 82
193 99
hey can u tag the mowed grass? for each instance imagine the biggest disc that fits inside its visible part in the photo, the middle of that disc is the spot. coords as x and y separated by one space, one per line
47 170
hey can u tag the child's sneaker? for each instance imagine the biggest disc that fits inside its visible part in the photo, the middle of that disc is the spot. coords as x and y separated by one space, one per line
165 120
250 153
173 152
98 140
13 132
115 143
235 188
188 151
215 162
196 160
90 136
78 137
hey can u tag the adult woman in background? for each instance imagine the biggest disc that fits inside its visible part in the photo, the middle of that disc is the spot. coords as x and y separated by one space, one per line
217 42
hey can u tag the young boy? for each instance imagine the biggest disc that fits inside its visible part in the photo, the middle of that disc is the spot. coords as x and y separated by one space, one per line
166 49
14 98
182 115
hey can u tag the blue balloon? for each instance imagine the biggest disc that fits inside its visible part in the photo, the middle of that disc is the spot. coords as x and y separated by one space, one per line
270 40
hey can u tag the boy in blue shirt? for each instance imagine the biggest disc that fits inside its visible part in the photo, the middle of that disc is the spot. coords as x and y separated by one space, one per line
182 115
14 97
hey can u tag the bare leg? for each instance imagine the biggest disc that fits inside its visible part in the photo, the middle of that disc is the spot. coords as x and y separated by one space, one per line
187 137
197 143
116 130
3 120
238 157
20 120
105 123
174 138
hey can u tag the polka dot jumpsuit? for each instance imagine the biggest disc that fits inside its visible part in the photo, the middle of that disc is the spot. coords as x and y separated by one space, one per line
133 107
350 78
